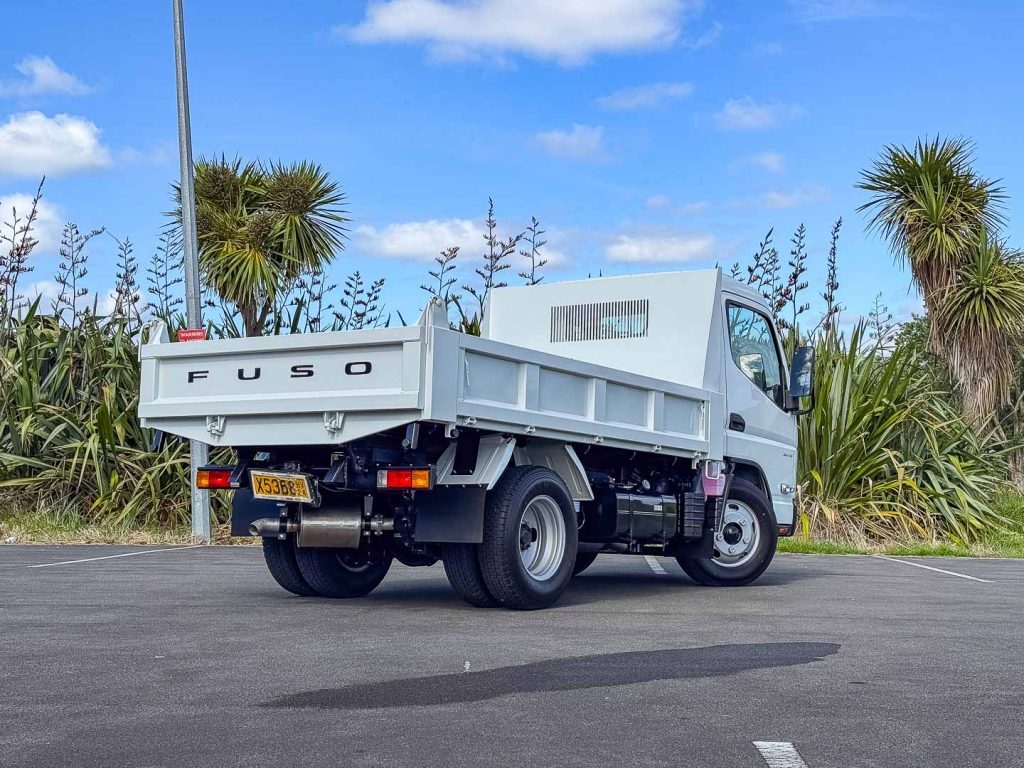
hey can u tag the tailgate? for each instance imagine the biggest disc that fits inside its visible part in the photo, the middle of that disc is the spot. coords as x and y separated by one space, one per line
303 388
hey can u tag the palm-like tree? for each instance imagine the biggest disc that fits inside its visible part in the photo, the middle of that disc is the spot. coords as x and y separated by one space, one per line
260 226
983 318
931 206
938 215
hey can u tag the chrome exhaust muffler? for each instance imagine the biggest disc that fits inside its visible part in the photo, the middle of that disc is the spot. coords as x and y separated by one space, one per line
337 525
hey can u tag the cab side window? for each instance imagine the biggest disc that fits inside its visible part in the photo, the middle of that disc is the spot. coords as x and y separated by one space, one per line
753 350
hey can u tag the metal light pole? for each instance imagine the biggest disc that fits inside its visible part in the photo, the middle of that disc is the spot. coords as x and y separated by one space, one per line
193 306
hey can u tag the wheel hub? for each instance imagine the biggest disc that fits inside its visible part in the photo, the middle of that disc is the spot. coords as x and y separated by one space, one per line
737 542
542 538
527 536
732 533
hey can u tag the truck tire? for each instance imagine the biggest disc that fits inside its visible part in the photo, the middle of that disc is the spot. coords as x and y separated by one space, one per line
340 572
583 561
530 535
280 558
462 567
749 530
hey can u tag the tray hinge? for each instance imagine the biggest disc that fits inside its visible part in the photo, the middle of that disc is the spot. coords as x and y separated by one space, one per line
334 421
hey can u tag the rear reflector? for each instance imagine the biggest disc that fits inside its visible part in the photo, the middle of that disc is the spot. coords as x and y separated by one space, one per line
213 478
412 479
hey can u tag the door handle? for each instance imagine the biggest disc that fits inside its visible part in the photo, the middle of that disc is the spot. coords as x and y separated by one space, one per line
736 423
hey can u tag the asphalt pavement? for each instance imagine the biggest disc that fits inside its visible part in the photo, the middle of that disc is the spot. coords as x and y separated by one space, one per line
194 657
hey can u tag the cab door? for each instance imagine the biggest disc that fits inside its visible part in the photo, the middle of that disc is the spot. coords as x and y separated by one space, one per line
759 430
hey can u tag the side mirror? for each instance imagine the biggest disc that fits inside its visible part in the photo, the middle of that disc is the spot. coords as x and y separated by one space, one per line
801 373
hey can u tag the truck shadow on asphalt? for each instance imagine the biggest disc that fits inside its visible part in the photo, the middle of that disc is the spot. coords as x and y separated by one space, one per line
590 588
598 587
570 674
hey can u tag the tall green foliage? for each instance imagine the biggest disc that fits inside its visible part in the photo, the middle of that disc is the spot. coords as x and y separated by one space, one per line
69 428
883 454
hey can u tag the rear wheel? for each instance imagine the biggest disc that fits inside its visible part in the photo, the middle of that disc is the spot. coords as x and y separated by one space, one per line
340 572
583 561
280 558
462 567
746 544
529 544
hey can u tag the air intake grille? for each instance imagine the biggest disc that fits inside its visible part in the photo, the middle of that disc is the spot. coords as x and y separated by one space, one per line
600 320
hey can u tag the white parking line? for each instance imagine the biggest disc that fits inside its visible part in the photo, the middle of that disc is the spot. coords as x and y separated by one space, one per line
932 568
111 557
655 565
780 754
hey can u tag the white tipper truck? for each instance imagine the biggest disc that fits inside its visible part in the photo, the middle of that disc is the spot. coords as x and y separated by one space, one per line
646 414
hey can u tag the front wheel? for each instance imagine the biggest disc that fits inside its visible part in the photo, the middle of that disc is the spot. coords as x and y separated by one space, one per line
340 572
746 544
529 545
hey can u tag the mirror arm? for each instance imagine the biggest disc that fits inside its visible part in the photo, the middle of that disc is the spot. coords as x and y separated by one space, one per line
797 410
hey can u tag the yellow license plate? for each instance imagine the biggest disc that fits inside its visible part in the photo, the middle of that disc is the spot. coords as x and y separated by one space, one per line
281 486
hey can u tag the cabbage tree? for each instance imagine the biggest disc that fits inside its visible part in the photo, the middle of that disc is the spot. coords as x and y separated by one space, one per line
260 226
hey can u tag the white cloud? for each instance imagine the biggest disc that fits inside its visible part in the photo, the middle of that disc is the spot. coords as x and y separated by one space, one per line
844 10
567 32
792 198
157 154
422 241
767 49
662 249
47 292
48 220
748 115
691 209
645 96
767 161
555 258
709 37
664 203
582 142
417 240
41 75
32 144
105 301
907 308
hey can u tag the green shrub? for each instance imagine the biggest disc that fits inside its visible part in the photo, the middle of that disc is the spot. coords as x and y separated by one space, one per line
69 427
884 456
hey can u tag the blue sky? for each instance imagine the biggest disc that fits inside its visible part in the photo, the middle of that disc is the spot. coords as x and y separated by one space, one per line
644 134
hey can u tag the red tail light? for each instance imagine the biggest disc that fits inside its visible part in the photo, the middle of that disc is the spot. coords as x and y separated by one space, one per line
404 479
209 477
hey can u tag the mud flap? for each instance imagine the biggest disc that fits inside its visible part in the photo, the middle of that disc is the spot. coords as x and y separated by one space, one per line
450 515
245 509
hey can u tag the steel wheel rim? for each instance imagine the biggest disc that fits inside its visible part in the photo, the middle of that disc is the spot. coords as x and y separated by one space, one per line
731 553
542 538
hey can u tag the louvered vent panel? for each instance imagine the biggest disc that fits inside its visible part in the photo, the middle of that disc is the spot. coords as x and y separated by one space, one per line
627 319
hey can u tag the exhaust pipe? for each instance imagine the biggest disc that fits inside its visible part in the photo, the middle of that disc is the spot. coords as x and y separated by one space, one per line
271 526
